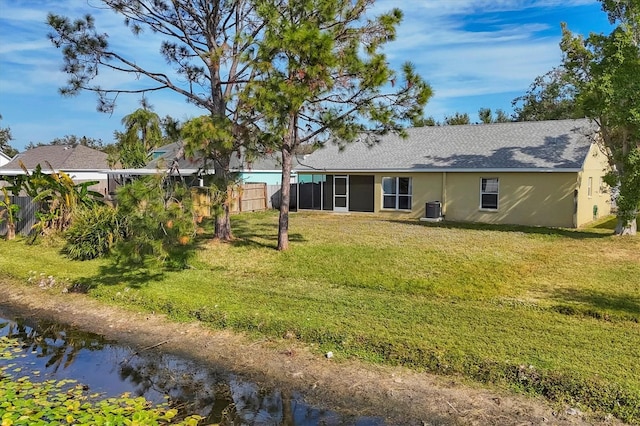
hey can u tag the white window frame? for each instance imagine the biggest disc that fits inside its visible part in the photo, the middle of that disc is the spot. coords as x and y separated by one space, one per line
589 187
484 192
344 196
396 194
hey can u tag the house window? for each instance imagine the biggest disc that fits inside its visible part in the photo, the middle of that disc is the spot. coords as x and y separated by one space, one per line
590 187
396 193
489 194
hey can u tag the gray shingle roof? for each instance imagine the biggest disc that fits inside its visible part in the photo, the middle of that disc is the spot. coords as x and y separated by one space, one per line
61 157
169 153
543 145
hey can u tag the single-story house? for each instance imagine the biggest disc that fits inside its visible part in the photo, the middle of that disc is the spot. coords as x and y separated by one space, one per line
81 163
266 168
545 173
166 159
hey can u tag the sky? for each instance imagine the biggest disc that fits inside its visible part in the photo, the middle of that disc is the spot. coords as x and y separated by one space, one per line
474 54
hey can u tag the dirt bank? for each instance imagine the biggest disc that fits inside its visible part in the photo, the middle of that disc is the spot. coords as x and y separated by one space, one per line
401 396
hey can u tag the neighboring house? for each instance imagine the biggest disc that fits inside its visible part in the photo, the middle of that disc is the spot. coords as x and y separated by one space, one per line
546 173
165 159
170 159
81 163
4 158
265 169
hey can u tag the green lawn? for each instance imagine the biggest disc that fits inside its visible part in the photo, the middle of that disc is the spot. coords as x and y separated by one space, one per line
553 312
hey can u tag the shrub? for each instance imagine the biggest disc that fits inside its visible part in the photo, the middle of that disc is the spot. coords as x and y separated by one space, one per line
94 231
161 220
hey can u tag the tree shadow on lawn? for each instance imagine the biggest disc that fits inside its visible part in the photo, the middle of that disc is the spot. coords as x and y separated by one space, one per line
609 223
122 270
625 305
579 234
115 274
258 234
136 275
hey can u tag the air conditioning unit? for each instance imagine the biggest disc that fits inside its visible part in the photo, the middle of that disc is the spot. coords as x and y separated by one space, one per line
433 210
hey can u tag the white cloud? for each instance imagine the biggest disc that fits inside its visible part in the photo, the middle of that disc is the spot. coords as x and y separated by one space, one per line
467 49
438 8
23 47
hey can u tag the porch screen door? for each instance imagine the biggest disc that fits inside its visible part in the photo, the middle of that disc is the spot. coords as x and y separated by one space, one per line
341 193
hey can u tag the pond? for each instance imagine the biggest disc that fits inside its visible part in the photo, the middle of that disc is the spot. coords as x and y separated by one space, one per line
59 351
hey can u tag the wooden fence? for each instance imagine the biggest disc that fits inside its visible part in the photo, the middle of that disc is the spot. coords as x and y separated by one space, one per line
250 197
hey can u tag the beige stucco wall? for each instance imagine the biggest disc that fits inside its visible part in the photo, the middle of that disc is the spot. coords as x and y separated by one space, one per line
536 199
555 199
426 187
595 168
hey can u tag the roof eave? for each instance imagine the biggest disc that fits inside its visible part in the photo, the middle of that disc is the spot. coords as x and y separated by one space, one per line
15 172
148 172
445 170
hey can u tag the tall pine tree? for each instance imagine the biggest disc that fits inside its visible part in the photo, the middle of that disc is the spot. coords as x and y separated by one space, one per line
324 79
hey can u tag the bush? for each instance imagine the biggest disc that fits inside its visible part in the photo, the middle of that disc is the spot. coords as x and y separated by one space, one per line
94 231
161 220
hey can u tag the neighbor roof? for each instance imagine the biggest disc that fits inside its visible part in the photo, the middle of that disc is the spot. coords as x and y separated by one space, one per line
60 157
168 153
560 145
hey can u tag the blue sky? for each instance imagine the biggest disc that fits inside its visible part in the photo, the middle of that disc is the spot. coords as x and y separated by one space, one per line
474 53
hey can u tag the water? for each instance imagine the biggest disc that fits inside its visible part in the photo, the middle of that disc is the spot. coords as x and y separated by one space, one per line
59 351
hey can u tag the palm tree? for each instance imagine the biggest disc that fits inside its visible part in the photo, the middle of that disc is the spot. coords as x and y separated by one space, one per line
143 133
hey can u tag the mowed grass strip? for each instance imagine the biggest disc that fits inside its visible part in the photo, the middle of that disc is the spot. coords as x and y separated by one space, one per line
554 312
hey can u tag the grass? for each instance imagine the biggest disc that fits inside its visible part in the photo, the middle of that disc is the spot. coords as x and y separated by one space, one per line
546 311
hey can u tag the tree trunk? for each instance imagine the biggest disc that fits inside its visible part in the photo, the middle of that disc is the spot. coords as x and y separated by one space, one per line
288 145
223 223
222 230
285 191
630 229
11 231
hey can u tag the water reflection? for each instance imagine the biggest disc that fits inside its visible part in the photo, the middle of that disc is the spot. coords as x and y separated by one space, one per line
53 342
58 351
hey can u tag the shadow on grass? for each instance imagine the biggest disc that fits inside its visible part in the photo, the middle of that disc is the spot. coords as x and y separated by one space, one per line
118 273
248 232
624 304
609 223
136 274
580 234
252 233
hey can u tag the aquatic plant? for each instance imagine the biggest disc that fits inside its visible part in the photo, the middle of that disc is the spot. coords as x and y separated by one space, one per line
26 401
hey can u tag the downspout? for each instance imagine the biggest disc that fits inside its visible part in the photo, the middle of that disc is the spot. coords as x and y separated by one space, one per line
444 195
576 199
